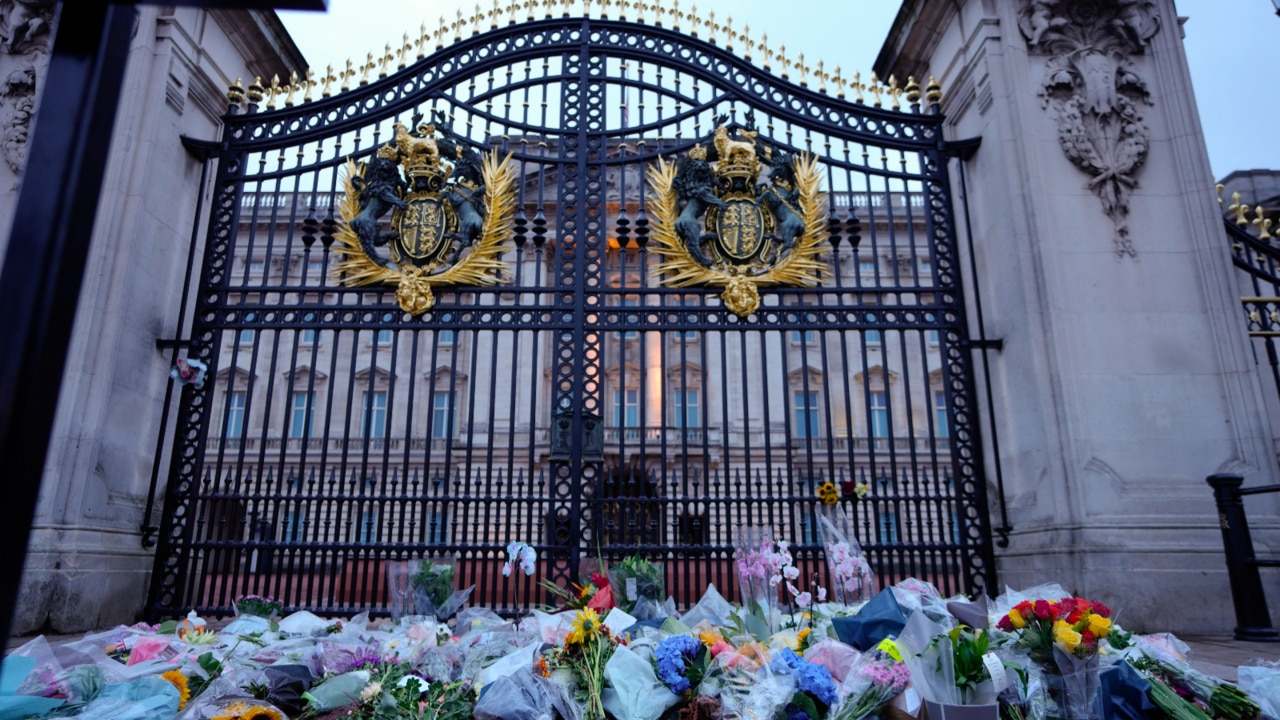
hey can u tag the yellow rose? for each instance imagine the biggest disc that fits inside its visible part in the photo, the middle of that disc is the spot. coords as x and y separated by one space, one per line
1016 618
1066 636
1099 625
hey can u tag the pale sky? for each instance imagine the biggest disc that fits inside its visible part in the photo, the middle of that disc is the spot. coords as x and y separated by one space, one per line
1233 65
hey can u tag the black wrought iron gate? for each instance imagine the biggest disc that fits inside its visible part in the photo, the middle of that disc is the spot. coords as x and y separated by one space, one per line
583 407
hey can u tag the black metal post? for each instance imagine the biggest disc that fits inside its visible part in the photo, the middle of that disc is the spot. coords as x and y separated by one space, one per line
44 264
1253 622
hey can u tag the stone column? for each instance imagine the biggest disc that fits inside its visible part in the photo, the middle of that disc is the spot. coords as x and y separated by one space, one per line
1125 377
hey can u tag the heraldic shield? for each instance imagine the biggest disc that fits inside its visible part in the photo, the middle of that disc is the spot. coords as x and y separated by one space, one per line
754 234
452 210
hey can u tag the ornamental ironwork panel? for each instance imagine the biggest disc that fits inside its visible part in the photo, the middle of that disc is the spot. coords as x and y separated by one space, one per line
583 390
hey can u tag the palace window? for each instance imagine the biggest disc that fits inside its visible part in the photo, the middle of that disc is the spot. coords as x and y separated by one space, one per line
626 408
888 534
940 413
373 417
235 415
302 414
686 409
442 409
806 409
879 415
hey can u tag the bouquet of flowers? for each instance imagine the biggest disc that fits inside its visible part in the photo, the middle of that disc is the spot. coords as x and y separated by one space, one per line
851 577
638 587
1062 637
257 606
680 662
873 682
433 588
585 652
815 690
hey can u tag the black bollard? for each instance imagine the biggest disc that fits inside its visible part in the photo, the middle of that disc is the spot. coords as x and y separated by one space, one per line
1253 622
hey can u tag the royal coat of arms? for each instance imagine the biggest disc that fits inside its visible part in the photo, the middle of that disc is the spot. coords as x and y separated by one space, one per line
715 225
451 211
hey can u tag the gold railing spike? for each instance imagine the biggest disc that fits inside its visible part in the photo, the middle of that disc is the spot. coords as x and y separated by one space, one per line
529 7
933 92
694 21
566 4
876 90
822 78
1263 223
839 82
549 6
440 33
764 49
624 10
326 82
367 68
235 93
747 43
802 69
676 15
273 92
421 43
1239 209
730 33
387 58
1219 188
783 61
458 26
402 55
493 15
346 76
308 82
475 20
913 91
894 92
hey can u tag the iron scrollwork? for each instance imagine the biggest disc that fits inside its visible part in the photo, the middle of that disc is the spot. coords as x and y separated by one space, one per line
754 234
449 222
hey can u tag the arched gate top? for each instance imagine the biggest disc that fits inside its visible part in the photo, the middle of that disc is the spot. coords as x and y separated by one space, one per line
730 77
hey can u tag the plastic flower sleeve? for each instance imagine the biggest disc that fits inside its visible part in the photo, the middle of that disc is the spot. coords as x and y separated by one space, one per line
1261 679
751 695
515 697
927 653
851 578
336 692
633 691
751 545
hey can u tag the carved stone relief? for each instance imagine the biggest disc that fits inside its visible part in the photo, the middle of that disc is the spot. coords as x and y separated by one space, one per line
1095 92
25 31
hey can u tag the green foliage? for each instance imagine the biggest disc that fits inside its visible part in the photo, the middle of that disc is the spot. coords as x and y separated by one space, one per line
967 648
649 582
168 627
435 579
1230 702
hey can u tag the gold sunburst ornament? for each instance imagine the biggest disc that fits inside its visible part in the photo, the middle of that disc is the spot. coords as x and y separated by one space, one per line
451 214
753 235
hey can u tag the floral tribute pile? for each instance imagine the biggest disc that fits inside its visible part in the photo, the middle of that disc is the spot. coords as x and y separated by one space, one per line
614 649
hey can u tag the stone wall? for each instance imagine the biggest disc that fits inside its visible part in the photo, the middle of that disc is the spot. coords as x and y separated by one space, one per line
86 566
1126 376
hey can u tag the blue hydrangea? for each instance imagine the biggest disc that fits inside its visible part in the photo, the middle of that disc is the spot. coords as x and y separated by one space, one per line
810 677
671 658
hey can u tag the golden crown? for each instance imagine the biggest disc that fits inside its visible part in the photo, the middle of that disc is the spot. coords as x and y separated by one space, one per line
735 166
697 152
389 152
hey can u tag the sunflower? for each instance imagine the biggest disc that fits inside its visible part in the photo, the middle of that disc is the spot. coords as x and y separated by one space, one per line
241 710
828 494
179 681
585 625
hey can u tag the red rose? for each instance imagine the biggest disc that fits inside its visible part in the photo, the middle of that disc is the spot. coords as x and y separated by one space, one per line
1025 608
1100 609
1043 610
1005 624
1088 638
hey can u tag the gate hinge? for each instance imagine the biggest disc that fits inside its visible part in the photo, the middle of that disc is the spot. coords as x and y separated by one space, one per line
202 149
963 149
170 343
985 344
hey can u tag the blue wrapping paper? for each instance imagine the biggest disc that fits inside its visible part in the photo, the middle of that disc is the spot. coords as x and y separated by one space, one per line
879 619
1126 695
